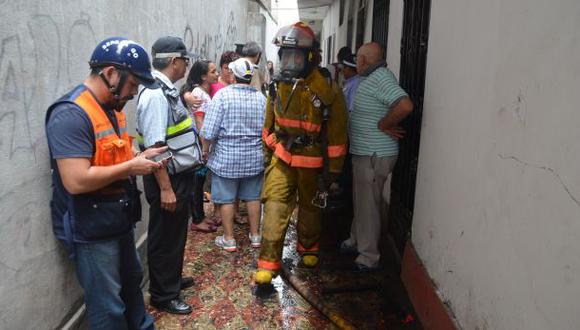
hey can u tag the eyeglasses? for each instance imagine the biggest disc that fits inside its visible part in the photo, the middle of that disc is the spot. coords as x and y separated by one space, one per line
185 59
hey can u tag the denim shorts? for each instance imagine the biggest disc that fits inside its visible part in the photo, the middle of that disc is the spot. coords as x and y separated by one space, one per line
227 190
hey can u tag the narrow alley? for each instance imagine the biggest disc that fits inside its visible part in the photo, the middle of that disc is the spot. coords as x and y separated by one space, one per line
224 296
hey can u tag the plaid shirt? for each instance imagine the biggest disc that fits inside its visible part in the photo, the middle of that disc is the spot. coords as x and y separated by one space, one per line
234 123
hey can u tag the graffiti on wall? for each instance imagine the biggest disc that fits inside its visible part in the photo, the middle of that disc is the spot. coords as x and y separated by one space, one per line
39 63
211 45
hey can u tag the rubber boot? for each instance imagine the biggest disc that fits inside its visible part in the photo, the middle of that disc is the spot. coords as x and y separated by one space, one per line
262 277
309 260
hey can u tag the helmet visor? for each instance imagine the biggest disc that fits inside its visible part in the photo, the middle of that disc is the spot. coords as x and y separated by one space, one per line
292 61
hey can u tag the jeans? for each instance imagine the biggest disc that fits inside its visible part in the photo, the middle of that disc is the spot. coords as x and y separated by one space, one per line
110 274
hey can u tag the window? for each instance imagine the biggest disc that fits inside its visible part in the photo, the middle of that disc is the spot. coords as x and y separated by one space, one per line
329 50
341 13
361 23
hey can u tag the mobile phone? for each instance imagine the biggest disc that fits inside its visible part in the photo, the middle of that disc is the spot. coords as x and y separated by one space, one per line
162 156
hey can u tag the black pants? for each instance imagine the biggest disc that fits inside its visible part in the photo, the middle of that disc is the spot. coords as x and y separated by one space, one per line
166 237
197 211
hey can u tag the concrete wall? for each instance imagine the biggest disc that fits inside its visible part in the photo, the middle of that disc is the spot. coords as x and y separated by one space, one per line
395 32
44 49
331 27
497 210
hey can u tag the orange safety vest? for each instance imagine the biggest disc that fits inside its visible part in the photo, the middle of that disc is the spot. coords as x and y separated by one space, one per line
110 148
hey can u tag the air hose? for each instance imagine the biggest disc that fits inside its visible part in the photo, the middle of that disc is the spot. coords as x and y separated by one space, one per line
315 301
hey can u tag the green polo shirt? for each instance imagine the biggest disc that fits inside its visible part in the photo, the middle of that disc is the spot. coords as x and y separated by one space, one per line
374 97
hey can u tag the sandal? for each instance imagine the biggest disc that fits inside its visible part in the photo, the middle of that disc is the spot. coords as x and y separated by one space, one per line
217 221
241 220
210 229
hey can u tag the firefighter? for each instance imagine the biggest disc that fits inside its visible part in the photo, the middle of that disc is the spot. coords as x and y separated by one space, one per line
305 139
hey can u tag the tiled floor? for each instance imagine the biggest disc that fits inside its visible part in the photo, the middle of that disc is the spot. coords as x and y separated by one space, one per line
224 296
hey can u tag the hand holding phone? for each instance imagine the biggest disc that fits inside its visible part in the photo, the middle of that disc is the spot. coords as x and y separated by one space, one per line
162 157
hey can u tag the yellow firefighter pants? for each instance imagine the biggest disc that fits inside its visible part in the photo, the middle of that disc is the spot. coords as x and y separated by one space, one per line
279 196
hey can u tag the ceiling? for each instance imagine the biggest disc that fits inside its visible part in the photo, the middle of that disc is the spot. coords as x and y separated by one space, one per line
313 9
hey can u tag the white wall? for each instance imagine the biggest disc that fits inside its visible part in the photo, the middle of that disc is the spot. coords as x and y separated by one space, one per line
395 32
271 51
330 26
497 213
44 52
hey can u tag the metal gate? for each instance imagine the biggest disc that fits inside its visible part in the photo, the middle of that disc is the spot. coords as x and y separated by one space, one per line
414 42
381 22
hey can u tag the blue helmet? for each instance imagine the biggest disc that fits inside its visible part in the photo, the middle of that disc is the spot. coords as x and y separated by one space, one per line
124 54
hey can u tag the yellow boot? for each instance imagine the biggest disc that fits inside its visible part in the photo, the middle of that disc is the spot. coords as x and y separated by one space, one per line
263 276
309 260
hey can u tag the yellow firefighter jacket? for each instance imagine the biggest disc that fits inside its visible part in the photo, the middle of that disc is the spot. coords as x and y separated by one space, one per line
302 121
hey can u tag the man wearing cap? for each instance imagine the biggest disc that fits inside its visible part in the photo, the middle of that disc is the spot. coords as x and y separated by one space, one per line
234 124
95 203
253 53
161 115
351 80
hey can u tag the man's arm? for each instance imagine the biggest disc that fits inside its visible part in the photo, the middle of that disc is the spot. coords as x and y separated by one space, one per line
399 111
79 177
168 199
153 112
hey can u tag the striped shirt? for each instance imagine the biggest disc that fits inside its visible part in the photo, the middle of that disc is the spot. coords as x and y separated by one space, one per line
234 123
375 95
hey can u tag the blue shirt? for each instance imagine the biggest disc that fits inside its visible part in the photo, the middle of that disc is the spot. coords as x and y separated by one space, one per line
234 123
375 96
349 88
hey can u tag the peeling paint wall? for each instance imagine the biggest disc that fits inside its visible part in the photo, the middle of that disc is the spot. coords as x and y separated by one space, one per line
497 212
44 50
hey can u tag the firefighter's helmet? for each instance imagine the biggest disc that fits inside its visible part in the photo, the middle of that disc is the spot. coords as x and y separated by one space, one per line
297 35
298 50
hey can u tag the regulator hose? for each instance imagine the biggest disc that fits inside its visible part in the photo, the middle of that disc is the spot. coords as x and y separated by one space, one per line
315 301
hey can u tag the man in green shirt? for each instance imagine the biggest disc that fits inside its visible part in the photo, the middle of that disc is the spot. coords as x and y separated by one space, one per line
379 106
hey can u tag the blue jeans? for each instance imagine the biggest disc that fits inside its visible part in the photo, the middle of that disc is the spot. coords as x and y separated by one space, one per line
110 274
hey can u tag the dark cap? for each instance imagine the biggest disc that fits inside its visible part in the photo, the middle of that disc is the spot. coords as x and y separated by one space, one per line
168 47
251 49
349 60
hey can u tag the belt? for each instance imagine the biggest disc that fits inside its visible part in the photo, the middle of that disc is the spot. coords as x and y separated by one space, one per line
300 140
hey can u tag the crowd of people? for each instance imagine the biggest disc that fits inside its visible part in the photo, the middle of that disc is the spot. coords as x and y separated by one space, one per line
229 135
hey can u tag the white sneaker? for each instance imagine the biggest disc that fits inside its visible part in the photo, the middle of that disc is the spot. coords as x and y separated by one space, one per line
228 245
255 240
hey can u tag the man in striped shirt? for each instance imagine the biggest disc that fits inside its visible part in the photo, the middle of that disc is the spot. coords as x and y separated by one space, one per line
379 106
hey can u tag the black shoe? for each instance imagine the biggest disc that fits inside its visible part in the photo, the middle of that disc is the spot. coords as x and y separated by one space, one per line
363 269
173 306
186 282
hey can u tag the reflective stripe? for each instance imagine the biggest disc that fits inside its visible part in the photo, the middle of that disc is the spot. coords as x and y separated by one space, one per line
185 124
294 123
282 153
301 249
306 161
179 126
265 133
122 130
297 160
336 151
270 140
269 265
105 133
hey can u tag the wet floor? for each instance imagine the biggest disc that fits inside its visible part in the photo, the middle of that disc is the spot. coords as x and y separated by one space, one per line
224 296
